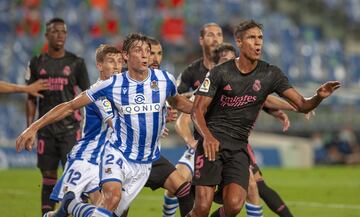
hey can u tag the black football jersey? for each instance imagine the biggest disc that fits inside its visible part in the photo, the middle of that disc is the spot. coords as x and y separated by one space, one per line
64 75
192 77
238 98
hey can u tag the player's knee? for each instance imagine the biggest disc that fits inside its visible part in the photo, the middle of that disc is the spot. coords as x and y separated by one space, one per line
233 205
202 207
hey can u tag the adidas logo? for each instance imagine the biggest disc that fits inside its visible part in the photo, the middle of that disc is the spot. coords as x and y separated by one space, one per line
227 87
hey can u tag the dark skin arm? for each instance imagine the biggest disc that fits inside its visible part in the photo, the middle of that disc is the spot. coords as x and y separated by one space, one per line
210 144
306 105
181 103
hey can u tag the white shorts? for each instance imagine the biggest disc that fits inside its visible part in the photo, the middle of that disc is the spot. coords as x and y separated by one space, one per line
188 159
132 175
79 176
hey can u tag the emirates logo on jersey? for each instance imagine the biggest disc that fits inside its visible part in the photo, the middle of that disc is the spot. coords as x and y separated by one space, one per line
257 85
42 72
67 71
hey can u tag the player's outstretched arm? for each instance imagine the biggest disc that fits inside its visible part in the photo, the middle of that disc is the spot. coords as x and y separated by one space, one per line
210 144
281 116
273 102
27 138
306 105
182 127
181 103
32 89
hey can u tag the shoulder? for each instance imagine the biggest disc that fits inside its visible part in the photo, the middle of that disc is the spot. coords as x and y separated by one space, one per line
194 65
160 73
269 67
73 56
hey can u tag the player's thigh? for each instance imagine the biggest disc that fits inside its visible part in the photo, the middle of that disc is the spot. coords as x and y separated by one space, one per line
207 173
185 171
80 177
47 155
160 172
236 168
136 176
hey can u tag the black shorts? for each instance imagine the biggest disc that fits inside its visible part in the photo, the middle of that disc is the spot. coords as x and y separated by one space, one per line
160 171
51 150
230 166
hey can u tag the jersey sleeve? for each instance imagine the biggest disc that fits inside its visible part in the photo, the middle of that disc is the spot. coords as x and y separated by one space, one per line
105 108
172 88
30 73
102 89
82 76
210 84
281 81
184 81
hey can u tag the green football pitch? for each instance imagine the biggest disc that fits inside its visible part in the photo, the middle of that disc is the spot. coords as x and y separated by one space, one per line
320 192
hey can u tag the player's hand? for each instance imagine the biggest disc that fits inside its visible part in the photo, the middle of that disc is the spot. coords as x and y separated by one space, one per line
26 140
327 89
39 85
165 132
283 118
211 147
171 114
309 115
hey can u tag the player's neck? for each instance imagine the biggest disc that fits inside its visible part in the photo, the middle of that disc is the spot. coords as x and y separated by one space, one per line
208 63
138 75
56 53
245 65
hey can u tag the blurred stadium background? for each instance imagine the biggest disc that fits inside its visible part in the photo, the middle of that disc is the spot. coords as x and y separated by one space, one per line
312 41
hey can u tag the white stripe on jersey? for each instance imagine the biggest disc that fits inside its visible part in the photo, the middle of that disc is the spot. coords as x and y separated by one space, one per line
95 132
140 111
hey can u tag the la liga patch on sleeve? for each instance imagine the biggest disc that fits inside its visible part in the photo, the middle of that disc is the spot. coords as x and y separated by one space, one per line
205 86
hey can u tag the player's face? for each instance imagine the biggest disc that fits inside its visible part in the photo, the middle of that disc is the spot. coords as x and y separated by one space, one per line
251 43
226 55
138 56
212 38
155 56
56 35
111 65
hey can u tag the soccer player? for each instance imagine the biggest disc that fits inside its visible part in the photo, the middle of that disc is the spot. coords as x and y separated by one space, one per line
32 89
224 118
63 71
163 172
81 173
138 96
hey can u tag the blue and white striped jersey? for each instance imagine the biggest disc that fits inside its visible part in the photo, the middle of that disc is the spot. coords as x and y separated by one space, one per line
140 111
95 132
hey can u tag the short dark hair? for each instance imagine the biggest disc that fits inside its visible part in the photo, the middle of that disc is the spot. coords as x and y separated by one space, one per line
131 38
54 20
202 30
104 49
153 41
220 48
245 25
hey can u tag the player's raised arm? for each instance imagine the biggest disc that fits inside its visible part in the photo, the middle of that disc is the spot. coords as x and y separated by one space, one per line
306 105
26 139
32 89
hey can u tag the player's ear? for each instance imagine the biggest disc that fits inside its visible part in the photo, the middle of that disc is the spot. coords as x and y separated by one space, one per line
238 42
99 66
125 56
201 40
